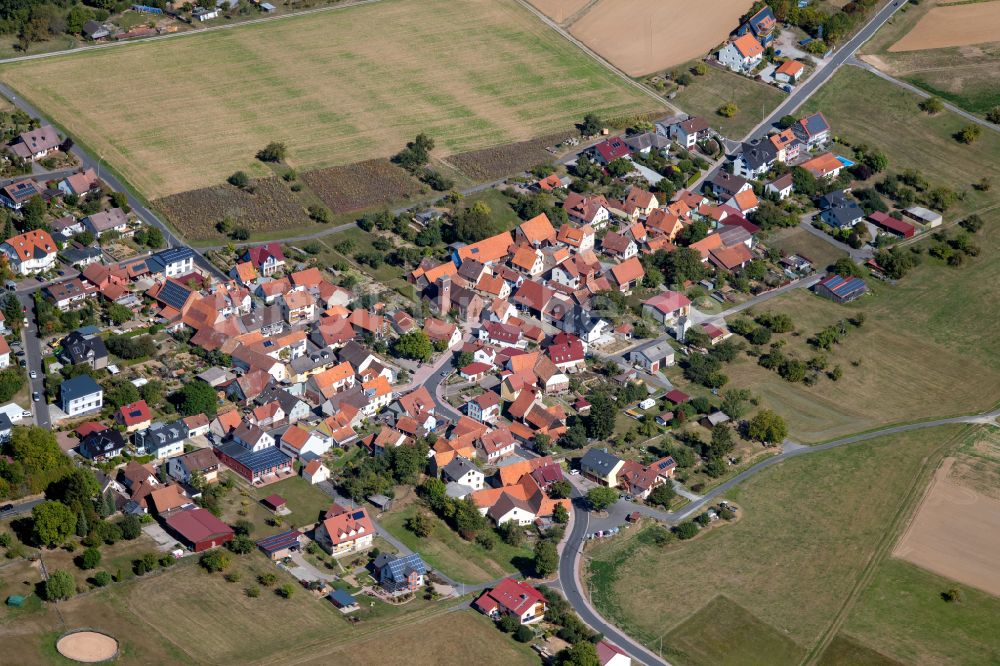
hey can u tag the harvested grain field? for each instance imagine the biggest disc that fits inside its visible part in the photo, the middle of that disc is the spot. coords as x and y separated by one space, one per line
645 36
955 25
337 87
955 533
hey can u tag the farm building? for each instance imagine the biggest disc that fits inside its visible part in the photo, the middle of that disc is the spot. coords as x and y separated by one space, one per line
199 529
892 225
279 546
841 289
924 216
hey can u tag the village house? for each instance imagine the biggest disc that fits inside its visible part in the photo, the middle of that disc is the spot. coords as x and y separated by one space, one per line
399 574
161 440
619 246
653 357
15 195
594 211
104 221
343 531
315 472
299 442
825 166
484 407
789 71
79 184
36 144
601 466
667 307
266 259
496 444
100 445
512 598
840 210
134 416
689 132
742 55
80 395
30 253
200 462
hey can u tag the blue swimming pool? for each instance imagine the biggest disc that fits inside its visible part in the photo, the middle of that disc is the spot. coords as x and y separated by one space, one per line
846 162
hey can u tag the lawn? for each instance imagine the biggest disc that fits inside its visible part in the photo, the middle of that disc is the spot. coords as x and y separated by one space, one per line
809 527
797 240
894 369
707 93
337 87
902 614
305 501
458 559
963 75
465 638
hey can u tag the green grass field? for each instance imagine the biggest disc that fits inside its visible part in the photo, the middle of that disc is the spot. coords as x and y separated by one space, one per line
447 552
923 334
337 87
809 527
963 75
902 615
707 93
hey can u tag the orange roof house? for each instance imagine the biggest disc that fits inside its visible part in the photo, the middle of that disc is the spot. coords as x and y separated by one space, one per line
823 166
487 250
746 201
707 244
628 273
537 230
748 46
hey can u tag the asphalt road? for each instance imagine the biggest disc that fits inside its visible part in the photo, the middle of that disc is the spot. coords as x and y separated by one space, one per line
33 358
569 564
22 508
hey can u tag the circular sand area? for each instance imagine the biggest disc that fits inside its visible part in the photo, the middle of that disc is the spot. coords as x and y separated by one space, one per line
87 646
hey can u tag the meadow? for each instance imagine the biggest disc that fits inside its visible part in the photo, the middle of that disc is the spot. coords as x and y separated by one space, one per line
337 87
811 526
962 71
717 87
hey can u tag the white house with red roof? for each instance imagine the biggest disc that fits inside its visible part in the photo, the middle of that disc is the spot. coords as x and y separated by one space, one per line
611 149
344 531
612 655
514 598
315 472
667 307
31 252
267 259
742 54
484 407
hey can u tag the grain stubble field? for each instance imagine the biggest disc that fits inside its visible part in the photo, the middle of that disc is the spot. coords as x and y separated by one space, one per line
955 25
645 36
337 87
955 533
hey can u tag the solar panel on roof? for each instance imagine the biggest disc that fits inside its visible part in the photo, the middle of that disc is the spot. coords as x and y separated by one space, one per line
358 515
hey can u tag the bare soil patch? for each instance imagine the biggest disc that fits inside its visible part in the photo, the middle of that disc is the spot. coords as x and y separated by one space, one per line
955 533
271 206
957 25
645 36
494 163
362 185
89 647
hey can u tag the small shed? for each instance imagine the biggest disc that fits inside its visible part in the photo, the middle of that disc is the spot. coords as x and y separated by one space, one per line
677 397
382 502
274 503
343 600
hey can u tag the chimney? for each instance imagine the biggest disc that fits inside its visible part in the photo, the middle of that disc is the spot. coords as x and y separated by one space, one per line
444 294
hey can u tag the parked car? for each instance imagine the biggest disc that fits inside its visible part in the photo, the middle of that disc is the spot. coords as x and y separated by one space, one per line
33 374
35 397
25 414
6 508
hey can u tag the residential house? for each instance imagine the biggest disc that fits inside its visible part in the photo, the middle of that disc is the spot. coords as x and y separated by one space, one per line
344 531
579 238
780 186
202 463
536 232
647 142
266 259
496 444
80 395
619 246
135 416
37 143
297 307
77 349
761 25
315 472
813 130
528 260
299 442
487 251
80 184
789 71
689 132
172 262
825 166
639 203
667 307
400 574
31 252
745 202
590 210
4 353
101 445
442 332
15 195
69 294
484 407
609 654
653 357
726 185
104 221
601 466
512 598
742 55
628 274
756 159
786 145
840 211
463 472
252 438
162 440
610 149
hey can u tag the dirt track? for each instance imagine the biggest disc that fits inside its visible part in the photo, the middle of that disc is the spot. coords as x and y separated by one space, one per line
87 646
958 25
955 533
645 36
559 10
